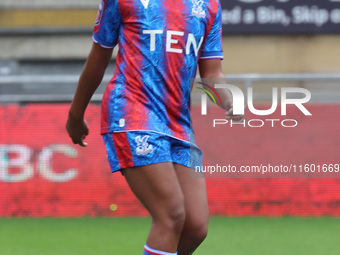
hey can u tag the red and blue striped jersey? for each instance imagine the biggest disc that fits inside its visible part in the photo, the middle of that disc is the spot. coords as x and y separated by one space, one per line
160 43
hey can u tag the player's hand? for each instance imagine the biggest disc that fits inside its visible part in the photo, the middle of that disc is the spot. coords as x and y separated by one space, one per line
77 130
230 115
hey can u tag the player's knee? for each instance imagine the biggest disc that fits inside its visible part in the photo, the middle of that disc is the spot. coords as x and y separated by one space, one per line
197 231
174 215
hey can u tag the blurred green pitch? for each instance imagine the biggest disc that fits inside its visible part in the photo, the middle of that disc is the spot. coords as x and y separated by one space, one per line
126 236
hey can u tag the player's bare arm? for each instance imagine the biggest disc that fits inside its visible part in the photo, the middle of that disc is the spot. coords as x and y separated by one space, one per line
90 79
212 73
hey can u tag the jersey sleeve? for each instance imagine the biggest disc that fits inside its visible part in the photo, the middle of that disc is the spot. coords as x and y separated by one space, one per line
107 24
212 48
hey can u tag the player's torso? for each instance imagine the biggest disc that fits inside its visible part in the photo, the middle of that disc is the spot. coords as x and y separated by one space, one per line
159 45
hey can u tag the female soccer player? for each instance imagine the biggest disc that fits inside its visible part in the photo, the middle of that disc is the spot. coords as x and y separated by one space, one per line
145 108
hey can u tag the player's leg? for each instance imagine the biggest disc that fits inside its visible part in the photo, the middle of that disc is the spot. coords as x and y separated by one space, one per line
157 187
196 208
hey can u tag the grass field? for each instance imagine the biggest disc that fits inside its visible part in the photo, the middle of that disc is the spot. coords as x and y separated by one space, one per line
126 236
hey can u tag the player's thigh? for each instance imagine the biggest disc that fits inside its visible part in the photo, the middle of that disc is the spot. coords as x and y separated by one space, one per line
195 195
157 187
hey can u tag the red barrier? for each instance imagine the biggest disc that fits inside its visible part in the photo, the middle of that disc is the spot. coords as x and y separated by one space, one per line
43 174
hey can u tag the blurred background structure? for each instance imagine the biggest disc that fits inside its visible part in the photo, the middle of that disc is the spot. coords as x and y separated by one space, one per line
267 43
43 47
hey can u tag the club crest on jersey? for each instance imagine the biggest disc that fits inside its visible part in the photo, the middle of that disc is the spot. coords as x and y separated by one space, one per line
143 147
100 13
197 9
